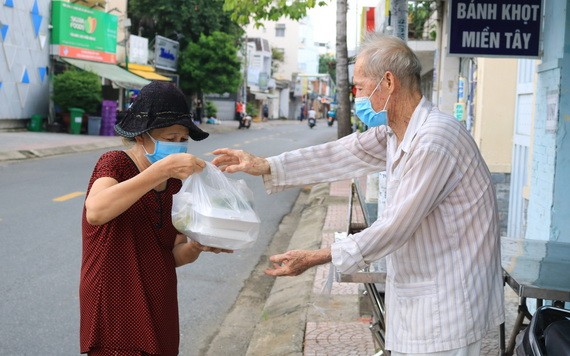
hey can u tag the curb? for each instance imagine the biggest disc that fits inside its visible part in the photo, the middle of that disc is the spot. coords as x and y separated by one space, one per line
269 315
281 329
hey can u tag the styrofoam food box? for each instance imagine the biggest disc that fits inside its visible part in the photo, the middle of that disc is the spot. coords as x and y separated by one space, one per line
236 241
218 227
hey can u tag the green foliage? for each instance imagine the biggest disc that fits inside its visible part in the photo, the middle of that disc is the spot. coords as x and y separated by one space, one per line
277 58
181 20
244 12
327 64
211 109
211 65
251 109
418 14
77 89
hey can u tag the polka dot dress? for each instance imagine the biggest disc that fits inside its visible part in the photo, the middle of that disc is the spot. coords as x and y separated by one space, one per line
127 292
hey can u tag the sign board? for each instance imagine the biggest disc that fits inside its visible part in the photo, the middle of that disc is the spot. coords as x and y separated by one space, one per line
166 53
461 89
263 80
459 111
495 28
83 33
138 49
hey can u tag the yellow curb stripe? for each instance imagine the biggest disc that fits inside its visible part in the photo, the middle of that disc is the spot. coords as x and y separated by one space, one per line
69 196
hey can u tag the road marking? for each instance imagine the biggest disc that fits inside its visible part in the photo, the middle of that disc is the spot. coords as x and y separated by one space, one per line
68 196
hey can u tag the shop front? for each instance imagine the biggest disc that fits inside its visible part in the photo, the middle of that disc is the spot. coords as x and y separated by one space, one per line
84 38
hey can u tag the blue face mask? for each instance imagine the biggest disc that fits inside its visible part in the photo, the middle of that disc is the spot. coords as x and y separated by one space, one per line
163 149
365 112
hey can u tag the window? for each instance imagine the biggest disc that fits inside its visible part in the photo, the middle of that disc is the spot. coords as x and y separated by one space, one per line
280 30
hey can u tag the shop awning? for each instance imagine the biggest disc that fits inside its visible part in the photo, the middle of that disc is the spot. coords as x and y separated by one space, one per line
146 72
114 73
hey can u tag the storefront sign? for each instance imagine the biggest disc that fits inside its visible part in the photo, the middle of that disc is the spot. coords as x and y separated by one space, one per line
459 111
166 53
495 28
83 33
138 49
461 89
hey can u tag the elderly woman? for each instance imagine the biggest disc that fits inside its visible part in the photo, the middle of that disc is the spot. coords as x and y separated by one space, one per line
439 231
128 295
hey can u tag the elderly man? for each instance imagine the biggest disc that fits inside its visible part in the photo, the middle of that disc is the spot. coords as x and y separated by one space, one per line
439 230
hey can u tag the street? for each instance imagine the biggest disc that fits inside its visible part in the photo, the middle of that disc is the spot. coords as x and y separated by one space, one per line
40 234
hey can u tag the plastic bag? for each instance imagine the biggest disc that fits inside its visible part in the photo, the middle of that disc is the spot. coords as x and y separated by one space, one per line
215 210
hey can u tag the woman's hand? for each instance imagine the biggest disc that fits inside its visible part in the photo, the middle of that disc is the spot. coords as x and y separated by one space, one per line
180 165
215 250
187 251
231 161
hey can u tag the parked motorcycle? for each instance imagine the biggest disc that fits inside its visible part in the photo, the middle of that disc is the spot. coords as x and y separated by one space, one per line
312 122
548 333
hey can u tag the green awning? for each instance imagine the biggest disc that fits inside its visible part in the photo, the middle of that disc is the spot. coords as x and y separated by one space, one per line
114 73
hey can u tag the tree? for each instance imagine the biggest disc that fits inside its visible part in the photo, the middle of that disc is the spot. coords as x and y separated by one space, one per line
183 20
210 65
77 89
243 12
327 64
342 84
419 13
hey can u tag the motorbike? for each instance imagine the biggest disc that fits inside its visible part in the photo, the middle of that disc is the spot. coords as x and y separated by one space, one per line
547 334
330 117
245 121
312 122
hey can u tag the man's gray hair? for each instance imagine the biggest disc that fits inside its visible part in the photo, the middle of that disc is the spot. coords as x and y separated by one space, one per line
380 53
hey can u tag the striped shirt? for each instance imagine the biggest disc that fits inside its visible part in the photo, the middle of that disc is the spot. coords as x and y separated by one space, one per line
439 230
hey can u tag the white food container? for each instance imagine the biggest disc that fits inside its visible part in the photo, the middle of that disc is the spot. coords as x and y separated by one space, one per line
217 226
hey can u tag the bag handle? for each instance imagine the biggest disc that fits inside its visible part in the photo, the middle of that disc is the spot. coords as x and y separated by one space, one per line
210 168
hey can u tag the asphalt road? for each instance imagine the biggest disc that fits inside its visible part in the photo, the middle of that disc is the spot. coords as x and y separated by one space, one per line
40 237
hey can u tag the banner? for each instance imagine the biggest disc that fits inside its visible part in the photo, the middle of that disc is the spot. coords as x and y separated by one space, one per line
496 28
83 33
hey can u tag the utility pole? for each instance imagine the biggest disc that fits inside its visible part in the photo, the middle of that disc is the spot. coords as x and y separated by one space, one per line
244 88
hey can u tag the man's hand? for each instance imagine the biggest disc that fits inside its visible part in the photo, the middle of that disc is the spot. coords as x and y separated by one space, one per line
295 262
231 161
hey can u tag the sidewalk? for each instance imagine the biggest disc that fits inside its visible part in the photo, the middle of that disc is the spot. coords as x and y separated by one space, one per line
335 322
298 318
19 145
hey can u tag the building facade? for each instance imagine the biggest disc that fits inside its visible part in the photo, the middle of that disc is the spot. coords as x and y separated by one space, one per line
24 61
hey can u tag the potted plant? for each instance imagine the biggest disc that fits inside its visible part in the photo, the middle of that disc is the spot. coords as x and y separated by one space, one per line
76 89
252 111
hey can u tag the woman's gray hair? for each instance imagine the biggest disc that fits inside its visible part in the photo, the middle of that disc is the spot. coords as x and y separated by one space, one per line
380 53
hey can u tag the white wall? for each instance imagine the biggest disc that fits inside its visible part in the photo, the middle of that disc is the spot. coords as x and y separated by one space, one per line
24 60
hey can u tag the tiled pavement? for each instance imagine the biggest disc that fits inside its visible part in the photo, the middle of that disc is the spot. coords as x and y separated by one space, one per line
331 334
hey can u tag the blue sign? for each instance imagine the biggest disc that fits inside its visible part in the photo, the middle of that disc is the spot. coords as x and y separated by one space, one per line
166 53
461 89
495 28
